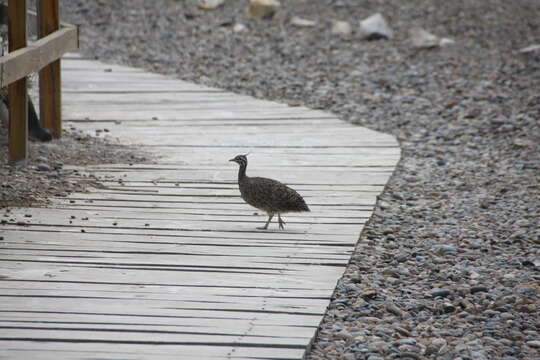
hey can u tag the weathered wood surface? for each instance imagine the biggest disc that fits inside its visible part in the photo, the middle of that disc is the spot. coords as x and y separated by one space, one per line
164 261
50 92
18 112
33 57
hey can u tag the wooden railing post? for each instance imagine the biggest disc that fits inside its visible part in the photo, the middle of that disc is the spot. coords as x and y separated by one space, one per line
50 94
18 115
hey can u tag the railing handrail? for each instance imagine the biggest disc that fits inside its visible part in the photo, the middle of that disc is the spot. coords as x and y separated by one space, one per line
43 56
33 58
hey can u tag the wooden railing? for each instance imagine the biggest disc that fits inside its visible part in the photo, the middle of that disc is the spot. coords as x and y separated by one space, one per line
23 59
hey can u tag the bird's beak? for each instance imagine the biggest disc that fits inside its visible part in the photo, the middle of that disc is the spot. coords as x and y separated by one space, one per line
231 160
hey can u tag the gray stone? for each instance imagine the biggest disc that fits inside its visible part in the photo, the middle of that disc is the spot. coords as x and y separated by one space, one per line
344 334
378 346
237 28
209 4
301 22
421 39
341 27
43 167
437 346
448 308
444 249
263 9
401 257
478 289
446 42
375 27
530 49
440 292
407 341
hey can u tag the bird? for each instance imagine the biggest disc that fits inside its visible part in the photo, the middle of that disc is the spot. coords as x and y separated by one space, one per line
268 195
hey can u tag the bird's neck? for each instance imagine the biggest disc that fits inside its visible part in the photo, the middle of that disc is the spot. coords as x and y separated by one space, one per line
242 172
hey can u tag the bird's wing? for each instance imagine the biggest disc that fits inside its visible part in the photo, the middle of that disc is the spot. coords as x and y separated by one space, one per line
277 195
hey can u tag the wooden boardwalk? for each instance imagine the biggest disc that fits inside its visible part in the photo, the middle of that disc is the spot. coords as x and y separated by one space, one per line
165 261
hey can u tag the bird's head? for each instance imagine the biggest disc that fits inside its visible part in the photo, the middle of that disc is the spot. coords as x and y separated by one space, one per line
240 160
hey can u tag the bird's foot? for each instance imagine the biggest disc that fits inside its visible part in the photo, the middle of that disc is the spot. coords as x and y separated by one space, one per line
262 227
281 223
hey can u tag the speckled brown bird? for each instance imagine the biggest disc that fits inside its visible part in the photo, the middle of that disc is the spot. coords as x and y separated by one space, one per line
268 195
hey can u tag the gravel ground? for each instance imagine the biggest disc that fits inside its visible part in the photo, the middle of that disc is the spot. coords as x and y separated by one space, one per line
448 266
44 176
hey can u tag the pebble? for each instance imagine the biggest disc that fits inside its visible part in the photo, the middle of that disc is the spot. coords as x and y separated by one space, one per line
530 49
448 308
341 27
344 334
444 249
402 331
263 9
423 39
301 22
478 289
378 346
401 257
436 346
209 4
407 341
440 293
375 27
43 167
237 28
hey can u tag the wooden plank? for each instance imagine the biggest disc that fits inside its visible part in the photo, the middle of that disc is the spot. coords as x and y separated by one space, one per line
170 99
89 124
127 88
17 92
267 326
33 57
166 97
194 104
55 350
161 220
50 100
192 261
69 272
164 238
155 289
231 184
193 112
303 176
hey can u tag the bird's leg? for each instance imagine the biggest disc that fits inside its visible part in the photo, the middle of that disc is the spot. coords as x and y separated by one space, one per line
268 222
281 222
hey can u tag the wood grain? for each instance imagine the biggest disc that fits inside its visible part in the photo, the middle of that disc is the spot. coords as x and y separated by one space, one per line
17 96
32 58
50 91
